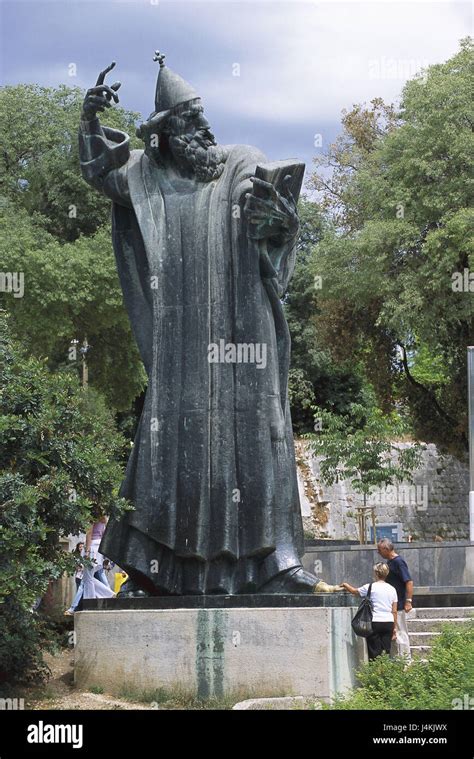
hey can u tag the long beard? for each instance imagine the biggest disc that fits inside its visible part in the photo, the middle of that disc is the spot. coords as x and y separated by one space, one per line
199 154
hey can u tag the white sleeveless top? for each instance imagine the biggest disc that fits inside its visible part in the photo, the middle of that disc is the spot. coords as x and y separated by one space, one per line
382 596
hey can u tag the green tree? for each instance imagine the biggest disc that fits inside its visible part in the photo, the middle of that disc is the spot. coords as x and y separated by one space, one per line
39 158
55 230
360 448
71 291
399 203
59 462
314 378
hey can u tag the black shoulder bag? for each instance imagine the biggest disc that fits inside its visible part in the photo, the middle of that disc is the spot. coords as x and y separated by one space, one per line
362 621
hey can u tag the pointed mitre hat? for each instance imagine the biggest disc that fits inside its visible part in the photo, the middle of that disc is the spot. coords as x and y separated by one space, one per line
171 91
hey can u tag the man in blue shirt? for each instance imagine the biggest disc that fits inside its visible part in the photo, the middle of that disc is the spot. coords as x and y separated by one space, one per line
399 576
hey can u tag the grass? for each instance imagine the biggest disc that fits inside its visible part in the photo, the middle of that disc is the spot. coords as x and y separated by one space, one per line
179 698
98 689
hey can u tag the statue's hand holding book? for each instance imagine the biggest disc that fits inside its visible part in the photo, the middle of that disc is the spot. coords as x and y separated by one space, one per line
271 209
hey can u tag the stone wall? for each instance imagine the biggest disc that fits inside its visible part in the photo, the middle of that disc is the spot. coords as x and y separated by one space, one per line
432 565
436 507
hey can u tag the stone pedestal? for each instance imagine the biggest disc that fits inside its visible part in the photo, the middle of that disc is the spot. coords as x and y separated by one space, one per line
219 646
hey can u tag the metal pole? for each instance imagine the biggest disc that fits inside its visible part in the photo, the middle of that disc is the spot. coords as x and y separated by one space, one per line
470 385
85 368
365 518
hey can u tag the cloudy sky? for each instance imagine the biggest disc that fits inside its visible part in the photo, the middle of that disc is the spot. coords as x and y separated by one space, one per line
272 74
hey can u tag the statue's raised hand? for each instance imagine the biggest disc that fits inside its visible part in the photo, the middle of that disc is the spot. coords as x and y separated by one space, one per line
100 97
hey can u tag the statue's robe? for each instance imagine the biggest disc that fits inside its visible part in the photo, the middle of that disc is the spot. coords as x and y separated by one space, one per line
212 472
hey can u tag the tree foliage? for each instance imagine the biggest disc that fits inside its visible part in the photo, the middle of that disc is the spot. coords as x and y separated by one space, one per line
71 287
39 160
359 448
71 291
315 377
400 228
59 462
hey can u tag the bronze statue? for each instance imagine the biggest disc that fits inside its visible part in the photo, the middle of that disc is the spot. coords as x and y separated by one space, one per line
204 237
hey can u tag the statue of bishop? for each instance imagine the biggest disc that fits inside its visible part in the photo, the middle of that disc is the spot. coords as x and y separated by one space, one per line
205 242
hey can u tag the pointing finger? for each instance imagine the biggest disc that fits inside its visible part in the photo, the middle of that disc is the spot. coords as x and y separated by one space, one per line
103 74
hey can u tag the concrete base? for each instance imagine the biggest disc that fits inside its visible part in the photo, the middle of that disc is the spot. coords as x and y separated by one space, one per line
220 652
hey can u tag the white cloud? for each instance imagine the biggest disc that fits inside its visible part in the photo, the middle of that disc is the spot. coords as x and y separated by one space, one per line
301 62
304 61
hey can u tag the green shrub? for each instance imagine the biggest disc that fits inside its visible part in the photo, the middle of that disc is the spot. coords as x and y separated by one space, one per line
59 454
447 674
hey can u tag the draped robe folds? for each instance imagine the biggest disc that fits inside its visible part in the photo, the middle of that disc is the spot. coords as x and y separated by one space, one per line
212 473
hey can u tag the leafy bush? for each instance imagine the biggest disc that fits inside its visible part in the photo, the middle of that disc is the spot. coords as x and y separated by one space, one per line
59 454
447 674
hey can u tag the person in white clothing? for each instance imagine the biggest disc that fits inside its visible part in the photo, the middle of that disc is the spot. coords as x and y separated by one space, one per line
94 583
384 618
93 588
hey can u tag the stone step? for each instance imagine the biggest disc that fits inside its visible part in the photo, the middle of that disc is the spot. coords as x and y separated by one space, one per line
426 624
423 638
442 612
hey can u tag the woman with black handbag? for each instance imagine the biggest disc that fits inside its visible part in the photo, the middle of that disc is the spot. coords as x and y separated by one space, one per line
384 611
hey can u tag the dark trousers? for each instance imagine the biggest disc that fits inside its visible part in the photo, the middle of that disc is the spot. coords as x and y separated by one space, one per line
380 640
